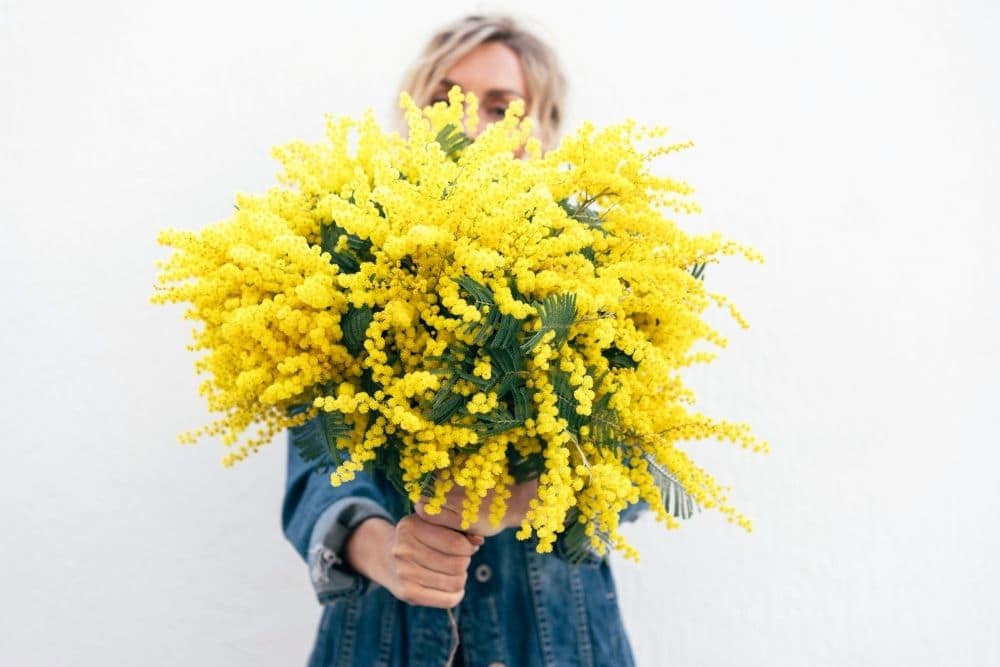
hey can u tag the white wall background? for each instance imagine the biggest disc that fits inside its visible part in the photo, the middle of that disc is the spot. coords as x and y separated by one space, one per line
856 144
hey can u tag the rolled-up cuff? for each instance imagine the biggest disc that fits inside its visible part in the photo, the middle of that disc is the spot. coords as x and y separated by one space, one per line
331 576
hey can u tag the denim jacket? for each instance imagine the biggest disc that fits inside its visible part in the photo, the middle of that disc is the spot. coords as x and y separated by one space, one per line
521 608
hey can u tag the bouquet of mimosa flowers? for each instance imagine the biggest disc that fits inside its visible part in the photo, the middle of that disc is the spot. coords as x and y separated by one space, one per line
471 314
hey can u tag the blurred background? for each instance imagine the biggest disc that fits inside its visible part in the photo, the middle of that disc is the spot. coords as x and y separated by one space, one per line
855 144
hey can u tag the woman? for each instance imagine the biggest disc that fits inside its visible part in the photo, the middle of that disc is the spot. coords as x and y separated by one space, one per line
387 581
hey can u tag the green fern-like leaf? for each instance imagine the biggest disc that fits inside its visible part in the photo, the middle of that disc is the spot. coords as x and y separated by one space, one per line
354 325
387 463
445 403
618 359
606 427
335 429
584 213
566 402
311 444
349 260
557 313
676 499
576 544
495 422
427 483
317 440
452 140
481 296
497 336
508 376
505 333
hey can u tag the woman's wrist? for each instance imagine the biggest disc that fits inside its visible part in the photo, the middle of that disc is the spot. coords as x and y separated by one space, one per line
367 548
520 502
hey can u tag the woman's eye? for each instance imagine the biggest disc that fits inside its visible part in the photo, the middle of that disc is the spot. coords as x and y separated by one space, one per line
498 111
439 99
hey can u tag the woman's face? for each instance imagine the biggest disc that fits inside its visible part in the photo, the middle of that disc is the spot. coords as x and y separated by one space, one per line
493 72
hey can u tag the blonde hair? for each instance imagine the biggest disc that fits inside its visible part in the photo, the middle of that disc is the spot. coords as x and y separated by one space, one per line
543 75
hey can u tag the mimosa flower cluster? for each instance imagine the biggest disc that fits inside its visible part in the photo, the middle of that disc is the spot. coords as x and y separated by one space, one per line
468 314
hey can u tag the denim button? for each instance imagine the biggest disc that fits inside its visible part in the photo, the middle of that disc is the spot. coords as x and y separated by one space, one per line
483 573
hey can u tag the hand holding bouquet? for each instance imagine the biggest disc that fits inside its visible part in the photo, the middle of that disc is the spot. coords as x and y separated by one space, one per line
458 317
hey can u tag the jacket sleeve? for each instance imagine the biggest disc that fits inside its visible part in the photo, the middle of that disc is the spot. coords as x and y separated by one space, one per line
317 518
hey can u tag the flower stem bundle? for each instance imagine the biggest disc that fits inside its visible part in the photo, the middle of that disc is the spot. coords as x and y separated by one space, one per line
472 314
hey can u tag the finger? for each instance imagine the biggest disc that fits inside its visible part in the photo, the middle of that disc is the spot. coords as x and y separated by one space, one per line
415 594
426 557
443 539
483 529
475 532
445 518
448 583
413 550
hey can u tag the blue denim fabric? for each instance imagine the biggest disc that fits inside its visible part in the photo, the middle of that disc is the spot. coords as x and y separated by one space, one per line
521 608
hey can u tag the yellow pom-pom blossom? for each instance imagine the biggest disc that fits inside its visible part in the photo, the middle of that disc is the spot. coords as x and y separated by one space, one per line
477 313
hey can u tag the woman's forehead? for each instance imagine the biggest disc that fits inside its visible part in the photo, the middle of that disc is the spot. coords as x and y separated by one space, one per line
490 68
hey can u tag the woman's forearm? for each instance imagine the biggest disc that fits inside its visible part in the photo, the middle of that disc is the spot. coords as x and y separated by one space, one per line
367 547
